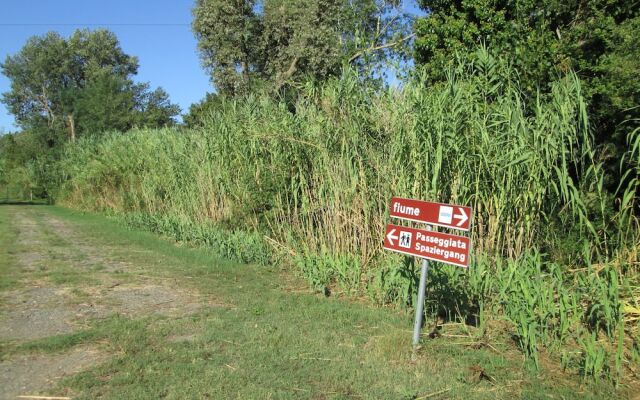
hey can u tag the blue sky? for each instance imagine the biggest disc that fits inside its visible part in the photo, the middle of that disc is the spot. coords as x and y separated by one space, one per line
158 32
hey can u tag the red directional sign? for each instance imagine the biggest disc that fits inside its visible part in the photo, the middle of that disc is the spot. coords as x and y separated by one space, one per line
447 215
437 246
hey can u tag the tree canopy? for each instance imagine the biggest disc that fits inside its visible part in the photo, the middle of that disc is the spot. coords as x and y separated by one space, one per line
597 39
78 86
197 113
249 44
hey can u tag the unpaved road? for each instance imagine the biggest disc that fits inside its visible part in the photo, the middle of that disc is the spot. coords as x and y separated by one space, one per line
66 283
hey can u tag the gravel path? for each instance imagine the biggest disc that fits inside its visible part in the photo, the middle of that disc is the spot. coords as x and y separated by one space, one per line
41 306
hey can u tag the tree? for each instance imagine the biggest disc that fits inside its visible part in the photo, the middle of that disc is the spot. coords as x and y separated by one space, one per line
65 88
597 39
602 46
300 37
19 148
106 103
248 44
154 108
228 34
48 72
375 33
200 110
18 152
454 29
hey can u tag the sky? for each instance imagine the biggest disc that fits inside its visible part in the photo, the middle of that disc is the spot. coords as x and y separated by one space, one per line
158 32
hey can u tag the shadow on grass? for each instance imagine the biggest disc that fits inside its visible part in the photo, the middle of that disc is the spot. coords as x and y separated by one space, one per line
24 203
450 299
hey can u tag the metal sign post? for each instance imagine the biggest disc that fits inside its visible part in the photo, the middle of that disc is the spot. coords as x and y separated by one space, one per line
420 306
427 244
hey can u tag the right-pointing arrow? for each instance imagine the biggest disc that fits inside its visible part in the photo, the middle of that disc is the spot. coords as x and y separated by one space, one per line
462 217
391 237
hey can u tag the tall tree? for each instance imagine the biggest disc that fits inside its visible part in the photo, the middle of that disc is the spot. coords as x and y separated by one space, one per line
228 33
300 37
82 85
455 29
246 44
602 44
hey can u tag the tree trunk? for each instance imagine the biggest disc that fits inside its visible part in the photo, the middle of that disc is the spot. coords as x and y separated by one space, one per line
245 74
72 127
282 78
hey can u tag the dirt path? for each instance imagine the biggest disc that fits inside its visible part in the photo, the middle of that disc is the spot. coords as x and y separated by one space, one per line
66 283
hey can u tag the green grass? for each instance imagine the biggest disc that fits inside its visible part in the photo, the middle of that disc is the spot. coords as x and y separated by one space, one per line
8 234
264 336
55 343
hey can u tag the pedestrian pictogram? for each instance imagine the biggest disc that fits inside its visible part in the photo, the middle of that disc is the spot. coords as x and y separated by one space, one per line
405 239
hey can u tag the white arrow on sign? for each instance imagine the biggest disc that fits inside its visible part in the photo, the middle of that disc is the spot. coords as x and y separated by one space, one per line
391 237
462 217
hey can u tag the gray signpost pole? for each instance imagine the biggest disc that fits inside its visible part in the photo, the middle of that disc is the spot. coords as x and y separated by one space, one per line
420 305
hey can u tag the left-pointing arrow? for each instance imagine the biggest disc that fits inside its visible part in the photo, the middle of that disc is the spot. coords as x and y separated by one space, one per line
462 217
391 237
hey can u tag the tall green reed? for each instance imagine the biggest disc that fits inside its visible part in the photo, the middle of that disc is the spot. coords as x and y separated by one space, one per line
552 249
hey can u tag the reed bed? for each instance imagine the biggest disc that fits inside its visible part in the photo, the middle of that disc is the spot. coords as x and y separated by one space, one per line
556 256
